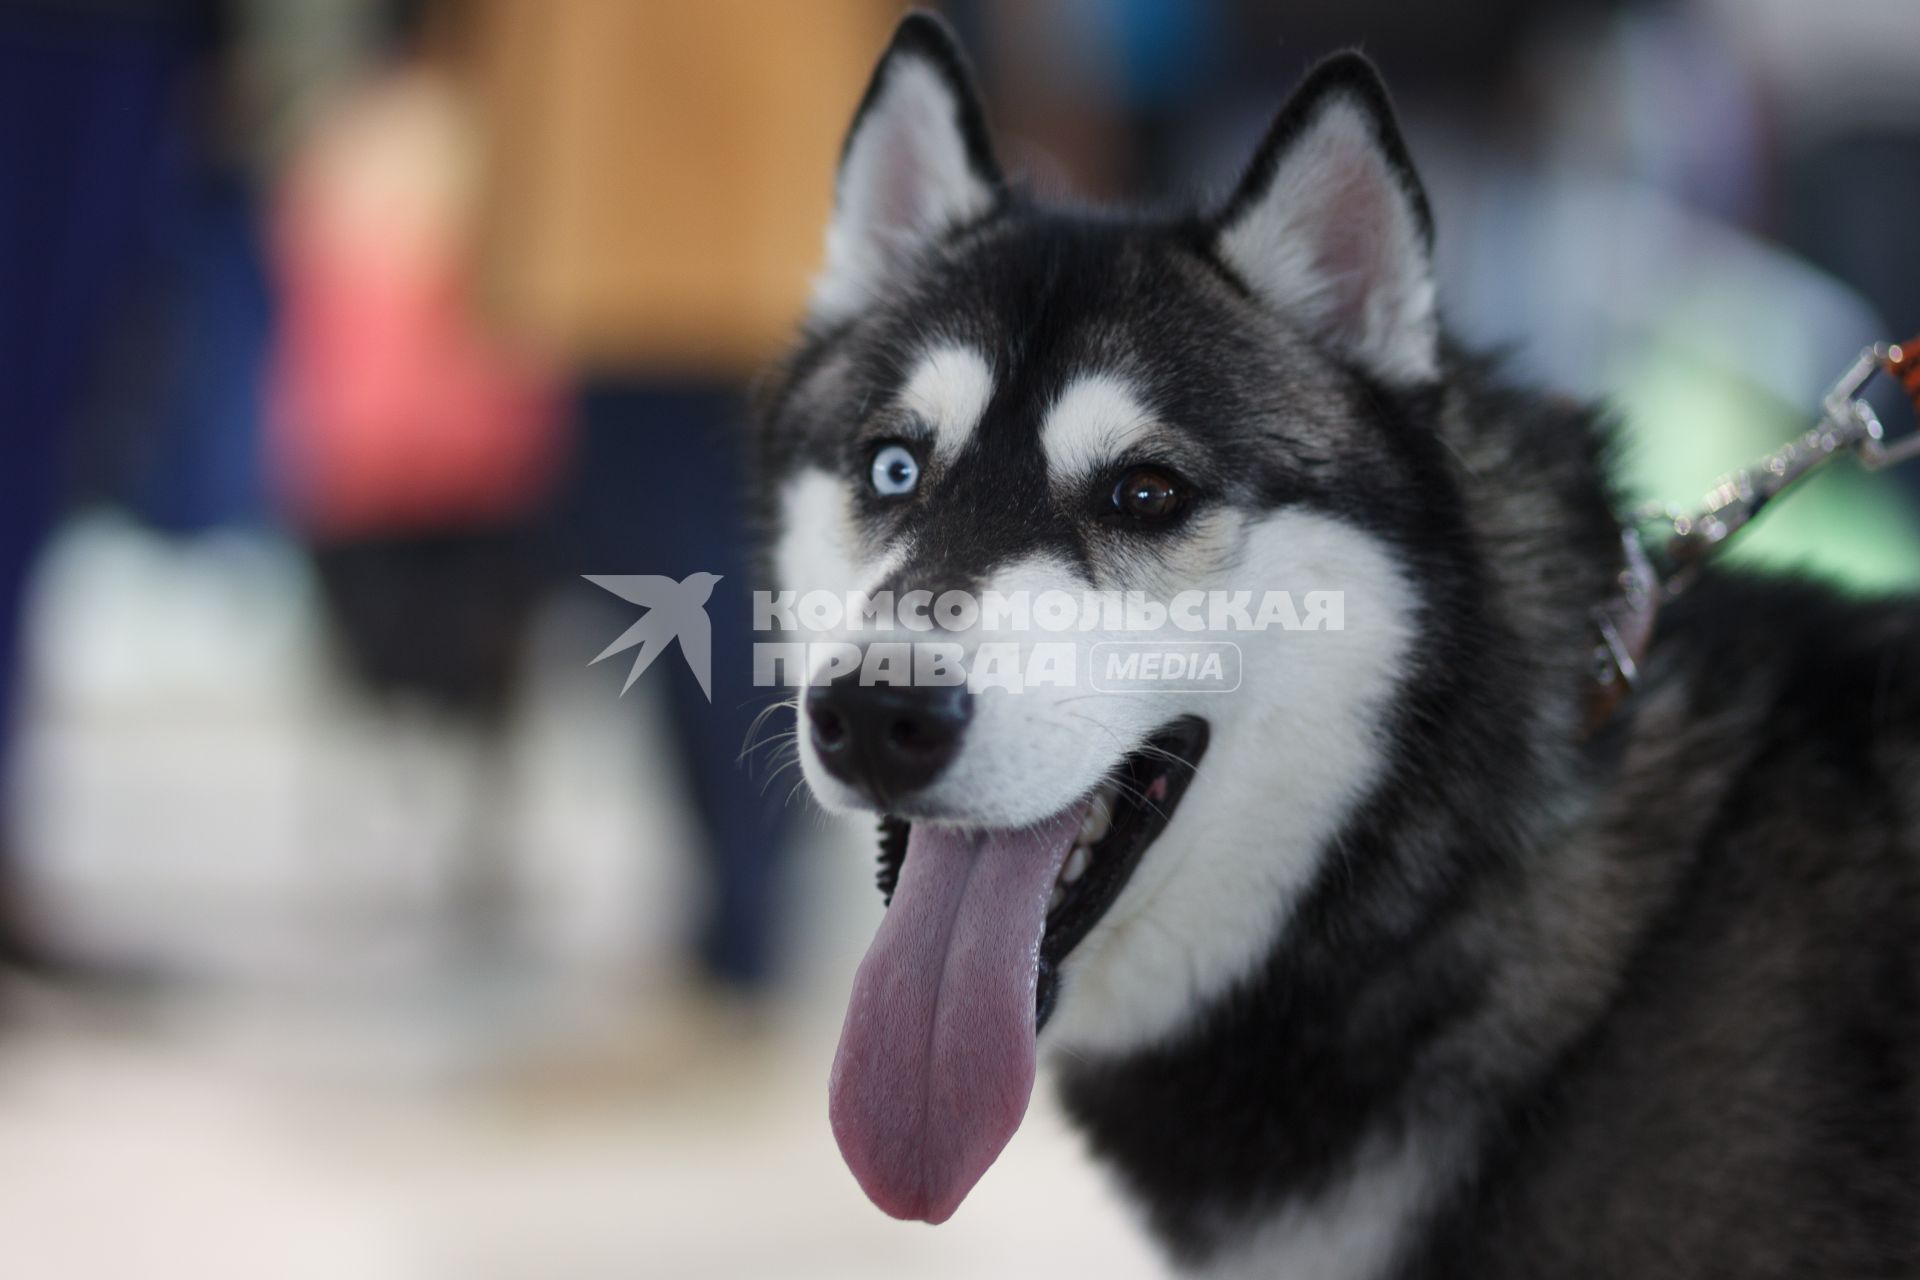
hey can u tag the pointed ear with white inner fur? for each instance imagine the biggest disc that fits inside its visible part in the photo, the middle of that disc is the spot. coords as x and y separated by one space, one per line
916 164
1330 225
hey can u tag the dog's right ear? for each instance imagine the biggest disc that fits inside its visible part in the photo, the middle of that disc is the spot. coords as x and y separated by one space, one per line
917 163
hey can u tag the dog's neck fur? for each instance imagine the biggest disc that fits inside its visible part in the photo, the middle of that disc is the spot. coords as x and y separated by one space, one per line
1344 1081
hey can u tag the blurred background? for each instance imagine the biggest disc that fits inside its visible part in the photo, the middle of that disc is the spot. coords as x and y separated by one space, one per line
353 924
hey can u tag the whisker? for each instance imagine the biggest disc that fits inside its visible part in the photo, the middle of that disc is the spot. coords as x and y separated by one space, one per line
760 720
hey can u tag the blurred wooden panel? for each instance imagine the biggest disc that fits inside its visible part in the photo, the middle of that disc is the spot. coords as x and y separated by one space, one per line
662 170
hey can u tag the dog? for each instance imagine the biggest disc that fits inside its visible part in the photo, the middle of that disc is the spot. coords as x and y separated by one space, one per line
1389 962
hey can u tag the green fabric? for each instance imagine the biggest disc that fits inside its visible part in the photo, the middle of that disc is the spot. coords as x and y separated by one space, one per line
1688 422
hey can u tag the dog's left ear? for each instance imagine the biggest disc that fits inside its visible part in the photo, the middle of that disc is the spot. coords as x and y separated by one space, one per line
917 163
1330 225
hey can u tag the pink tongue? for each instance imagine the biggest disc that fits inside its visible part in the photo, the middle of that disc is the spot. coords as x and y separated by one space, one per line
936 1059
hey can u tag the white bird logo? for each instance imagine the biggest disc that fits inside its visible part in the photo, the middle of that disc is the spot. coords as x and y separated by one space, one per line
674 610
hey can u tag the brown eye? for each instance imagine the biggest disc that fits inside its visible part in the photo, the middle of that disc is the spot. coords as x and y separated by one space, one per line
1148 494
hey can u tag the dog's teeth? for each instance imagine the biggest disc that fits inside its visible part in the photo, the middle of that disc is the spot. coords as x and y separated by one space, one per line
1076 864
1099 819
1059 896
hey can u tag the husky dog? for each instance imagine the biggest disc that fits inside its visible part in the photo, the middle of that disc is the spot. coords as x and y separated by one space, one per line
1387 963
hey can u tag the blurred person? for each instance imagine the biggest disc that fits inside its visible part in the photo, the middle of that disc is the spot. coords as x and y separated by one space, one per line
90 101
415 449
655 204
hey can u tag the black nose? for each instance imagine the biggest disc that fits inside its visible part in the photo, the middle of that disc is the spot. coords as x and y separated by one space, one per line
887 740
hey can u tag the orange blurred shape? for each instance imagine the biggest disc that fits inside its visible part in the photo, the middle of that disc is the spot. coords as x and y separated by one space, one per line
1903 362
660 175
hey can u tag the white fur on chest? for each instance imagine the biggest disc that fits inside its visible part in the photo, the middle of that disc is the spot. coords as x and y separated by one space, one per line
1356 1228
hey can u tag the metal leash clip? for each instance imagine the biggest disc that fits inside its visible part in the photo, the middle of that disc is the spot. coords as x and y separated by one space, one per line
1665 546
1847 424
1902 363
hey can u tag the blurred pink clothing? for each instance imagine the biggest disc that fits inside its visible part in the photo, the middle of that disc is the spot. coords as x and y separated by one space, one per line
392 409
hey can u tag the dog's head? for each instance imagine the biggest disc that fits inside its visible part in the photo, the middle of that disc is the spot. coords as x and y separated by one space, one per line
1000 401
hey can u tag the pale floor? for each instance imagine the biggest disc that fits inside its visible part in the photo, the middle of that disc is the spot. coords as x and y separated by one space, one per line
174 1151
326 1078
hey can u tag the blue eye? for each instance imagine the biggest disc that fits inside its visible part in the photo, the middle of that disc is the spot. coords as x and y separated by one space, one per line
896 472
